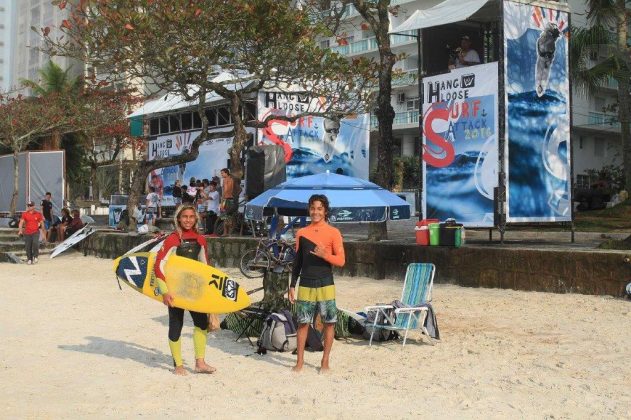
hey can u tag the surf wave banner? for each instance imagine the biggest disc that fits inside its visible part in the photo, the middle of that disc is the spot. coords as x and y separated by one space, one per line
312 144
537 155
460 157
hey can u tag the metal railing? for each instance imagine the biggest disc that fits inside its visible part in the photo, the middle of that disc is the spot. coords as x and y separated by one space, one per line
400 118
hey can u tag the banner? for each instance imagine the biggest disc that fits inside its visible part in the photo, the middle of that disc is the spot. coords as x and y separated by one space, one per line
314 144
170 145
460 156
537 154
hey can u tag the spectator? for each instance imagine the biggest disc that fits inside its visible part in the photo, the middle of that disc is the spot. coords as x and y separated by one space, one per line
75 224
31 223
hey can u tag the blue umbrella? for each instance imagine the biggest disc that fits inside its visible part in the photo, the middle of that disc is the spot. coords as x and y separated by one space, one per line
351 199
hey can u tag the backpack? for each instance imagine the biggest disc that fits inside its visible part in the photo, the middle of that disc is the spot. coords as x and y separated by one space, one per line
381 334
279 333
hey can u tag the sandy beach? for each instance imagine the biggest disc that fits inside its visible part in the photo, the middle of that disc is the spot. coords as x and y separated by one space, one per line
72 345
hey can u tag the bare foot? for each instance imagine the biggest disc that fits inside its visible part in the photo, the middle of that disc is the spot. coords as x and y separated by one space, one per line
324 367
180 371
202 367
297 368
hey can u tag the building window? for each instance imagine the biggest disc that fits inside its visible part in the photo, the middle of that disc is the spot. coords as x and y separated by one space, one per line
174 123
580 142
154 127
582 181
164 125
223 116
599 147
211 116
197 121
187 121
325 44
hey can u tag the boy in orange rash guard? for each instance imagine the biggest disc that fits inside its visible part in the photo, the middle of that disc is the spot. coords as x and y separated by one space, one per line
319 247
185 242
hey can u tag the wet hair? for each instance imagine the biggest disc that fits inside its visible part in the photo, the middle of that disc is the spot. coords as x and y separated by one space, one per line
176 218
325 203
226 170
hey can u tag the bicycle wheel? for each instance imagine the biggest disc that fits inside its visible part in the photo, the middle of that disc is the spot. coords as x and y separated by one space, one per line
288 258
219 226
254 263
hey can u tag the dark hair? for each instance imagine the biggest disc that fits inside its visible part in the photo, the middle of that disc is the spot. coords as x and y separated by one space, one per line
192 180
213 183
226 170
48 193
325 203
152 189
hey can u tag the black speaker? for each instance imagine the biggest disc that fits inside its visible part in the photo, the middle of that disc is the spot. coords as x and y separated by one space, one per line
265 168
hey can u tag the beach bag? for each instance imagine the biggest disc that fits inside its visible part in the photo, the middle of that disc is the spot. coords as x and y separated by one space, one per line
381 334
279 333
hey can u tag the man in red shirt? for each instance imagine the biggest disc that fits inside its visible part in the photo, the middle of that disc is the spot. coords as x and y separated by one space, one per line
31 223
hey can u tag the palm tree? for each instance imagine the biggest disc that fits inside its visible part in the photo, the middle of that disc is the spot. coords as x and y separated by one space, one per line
608 34
54 80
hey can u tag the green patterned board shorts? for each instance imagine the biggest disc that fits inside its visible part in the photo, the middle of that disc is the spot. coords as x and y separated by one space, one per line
316 300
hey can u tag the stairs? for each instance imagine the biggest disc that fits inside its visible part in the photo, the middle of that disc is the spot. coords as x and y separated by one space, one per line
12 247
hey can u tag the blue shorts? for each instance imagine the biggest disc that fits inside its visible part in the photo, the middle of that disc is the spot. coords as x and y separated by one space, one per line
47 224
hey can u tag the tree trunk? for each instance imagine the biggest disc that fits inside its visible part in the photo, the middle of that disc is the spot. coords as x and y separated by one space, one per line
135 192
275 286
239 141
16 174
93 182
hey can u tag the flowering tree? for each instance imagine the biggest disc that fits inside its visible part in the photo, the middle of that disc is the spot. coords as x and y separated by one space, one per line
180 46
26 119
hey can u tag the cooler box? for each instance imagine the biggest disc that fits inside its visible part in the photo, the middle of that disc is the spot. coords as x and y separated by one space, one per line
450 234
422 231
434 234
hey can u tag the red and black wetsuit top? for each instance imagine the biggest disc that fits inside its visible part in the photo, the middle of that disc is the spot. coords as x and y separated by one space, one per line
191 245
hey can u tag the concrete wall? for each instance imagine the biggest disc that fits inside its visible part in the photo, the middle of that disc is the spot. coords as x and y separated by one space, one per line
556 271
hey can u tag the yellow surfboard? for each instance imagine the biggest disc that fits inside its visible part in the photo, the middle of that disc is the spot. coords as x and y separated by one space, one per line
195 286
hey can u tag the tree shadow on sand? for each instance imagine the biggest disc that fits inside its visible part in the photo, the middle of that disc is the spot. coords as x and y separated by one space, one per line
123 350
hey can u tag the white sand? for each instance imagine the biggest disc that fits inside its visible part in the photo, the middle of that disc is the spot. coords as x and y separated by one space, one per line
72 345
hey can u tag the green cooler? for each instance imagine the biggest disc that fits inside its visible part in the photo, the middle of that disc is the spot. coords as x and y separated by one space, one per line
434 234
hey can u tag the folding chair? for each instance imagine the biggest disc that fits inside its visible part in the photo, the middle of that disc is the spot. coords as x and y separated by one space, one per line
417 292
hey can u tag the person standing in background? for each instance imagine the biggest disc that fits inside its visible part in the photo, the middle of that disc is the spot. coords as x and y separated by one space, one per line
30 226
177 193
47 210
228 200
212 207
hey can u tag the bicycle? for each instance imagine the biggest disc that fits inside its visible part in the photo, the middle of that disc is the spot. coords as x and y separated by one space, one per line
274 254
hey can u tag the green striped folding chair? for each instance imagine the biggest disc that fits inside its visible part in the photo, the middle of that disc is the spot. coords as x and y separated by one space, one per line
417 291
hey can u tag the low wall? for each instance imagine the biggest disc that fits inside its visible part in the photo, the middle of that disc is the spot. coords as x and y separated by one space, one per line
557 271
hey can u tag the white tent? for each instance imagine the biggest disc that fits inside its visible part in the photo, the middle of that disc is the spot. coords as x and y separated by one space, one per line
449 11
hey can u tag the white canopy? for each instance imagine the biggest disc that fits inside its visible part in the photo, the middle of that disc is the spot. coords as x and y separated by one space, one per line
171 102
449 11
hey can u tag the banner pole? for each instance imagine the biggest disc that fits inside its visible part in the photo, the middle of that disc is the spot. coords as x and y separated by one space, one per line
419 46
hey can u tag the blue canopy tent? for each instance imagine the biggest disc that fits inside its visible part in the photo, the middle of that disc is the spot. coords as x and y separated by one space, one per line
351 199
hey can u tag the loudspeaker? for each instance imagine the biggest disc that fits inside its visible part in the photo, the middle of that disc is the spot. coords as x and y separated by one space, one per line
265 168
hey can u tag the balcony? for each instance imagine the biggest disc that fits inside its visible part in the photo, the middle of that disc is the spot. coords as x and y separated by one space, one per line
409 78
370 44
400 119
603 121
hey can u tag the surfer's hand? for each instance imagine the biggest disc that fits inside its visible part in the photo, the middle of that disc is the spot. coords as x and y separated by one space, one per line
167 299
291 295
319 251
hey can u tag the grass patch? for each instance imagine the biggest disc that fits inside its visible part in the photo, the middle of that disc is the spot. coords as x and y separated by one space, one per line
616 218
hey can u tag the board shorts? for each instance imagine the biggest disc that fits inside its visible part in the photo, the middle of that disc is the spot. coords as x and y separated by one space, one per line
313 300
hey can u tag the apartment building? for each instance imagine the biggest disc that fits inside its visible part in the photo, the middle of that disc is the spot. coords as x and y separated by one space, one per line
595 132
7 36
27 59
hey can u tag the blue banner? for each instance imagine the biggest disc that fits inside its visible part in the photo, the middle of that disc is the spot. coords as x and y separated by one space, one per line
537 114
460 156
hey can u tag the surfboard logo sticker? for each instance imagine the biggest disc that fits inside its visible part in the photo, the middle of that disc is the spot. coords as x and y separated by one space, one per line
230 290
132 270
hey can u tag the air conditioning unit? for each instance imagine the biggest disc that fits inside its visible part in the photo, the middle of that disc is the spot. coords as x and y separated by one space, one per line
401 98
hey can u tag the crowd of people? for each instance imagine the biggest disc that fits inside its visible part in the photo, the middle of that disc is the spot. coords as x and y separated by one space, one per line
210 198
